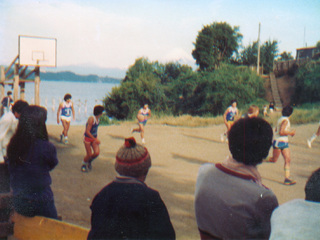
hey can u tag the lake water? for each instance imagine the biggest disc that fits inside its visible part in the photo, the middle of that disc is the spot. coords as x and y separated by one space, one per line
85 96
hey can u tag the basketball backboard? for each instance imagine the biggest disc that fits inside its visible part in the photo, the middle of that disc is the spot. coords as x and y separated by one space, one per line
37 51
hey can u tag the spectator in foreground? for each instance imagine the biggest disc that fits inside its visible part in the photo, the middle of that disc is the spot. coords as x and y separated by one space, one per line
127 208
230 200
31 157
299 219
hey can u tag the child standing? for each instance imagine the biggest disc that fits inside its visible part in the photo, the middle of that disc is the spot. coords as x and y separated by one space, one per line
66 109
91 142
281 143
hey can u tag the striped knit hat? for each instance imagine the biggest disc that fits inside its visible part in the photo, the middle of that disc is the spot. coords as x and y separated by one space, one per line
132 159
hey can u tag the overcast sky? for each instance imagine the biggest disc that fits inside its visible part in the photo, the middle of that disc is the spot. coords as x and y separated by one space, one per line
114 33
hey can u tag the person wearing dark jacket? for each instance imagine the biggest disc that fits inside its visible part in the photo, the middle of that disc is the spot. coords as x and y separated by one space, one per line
31 157
127 208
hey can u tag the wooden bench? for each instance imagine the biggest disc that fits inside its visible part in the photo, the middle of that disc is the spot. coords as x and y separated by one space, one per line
40 228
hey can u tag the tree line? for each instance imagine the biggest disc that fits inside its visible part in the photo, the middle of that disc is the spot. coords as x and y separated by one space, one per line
223 74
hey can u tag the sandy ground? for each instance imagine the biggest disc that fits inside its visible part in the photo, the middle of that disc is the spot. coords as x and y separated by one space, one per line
176 153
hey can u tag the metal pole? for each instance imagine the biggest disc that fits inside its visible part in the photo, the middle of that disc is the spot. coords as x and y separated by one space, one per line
258 59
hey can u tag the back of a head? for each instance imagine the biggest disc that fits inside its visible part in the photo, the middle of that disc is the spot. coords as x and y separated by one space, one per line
19 106
33 122
312 188
287 111
97 110
132 159
250 140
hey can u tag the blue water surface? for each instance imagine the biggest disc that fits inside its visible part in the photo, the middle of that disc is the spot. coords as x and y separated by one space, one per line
85 96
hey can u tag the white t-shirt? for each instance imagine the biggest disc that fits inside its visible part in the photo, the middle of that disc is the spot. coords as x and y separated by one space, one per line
8 126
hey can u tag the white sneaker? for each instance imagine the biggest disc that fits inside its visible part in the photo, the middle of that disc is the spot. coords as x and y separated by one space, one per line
222 137
143 141
309 143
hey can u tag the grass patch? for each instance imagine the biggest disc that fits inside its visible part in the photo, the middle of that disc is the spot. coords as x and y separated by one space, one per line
309 113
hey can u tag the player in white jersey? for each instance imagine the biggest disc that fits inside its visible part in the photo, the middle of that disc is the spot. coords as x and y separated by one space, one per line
67 112
281 143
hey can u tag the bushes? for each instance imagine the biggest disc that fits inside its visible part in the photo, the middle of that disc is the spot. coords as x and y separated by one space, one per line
176 89
307 83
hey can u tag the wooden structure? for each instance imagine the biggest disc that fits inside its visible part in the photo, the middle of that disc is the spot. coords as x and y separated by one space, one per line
16 76
306 52
38 228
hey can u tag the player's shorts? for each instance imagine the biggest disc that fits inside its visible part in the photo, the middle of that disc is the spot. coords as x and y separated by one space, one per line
230 121
280 145
88 140
67 119
144 122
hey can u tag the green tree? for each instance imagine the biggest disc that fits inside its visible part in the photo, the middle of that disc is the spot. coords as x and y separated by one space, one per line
215 43
141 85
216 89
249 55
285 56
307 83
268 53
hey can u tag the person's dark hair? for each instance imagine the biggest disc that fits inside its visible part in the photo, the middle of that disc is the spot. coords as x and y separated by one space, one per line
19 106
233 101
312 188
250 140
67 96
31 126
98 109
9 93
287 111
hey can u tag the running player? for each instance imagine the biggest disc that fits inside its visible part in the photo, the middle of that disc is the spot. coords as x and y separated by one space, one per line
313 137
91 141
229 117
143 115
66 109
281 145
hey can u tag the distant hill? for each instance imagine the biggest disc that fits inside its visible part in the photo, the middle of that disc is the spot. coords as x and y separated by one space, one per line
72 77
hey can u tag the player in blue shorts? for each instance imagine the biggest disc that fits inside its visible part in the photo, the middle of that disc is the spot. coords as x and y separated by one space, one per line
67 112
143 115
281 143
229 117
91 141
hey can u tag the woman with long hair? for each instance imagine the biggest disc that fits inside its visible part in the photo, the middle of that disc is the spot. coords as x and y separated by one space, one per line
31 157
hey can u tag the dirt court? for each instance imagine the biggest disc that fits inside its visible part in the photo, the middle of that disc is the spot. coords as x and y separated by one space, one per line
176 154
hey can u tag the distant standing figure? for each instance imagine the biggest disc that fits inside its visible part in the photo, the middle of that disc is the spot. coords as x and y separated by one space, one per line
313 137
127 208
31 157
91 141
230 200
281 143
299 218
143 115
67 112
6 103
271 107
229 116
265 111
